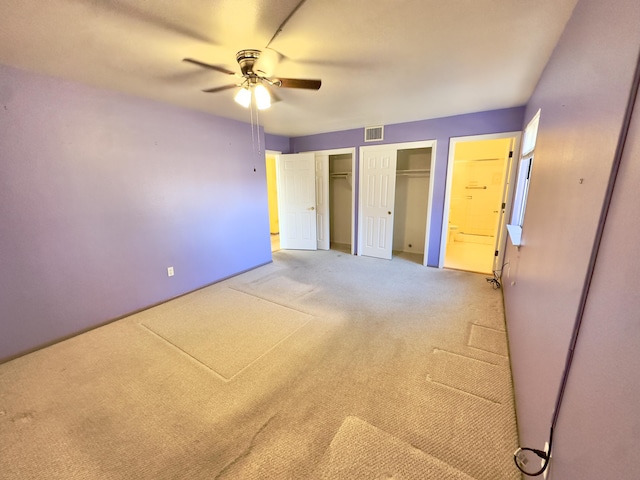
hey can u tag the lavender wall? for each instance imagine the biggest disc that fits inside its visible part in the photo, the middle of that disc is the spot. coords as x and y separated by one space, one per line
277 143
583 94
440 129
101 192
599 430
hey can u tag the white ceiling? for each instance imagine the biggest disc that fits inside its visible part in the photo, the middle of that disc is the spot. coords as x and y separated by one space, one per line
380 61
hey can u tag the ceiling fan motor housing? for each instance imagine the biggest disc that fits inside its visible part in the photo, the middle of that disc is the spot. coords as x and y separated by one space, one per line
247 59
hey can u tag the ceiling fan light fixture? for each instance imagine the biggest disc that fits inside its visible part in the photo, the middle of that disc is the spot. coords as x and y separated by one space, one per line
251 87
263 99
243 97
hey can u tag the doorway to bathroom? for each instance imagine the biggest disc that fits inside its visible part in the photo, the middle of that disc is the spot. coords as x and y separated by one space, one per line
477 202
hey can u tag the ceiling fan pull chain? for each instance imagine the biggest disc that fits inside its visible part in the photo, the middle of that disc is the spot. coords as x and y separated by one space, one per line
253 140
258 131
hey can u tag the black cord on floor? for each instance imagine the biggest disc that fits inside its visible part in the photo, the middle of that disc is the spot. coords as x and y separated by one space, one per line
496 281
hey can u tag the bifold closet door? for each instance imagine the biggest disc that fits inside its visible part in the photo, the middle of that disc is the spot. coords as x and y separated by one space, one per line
322 201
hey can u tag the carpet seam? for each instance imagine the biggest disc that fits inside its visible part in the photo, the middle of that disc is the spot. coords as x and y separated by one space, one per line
465 356
487 351
223 378
271 301
463 391
488 328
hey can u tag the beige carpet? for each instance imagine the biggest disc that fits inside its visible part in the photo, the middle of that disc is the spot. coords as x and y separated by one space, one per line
361 451
320 364
478 378
489 339
229 337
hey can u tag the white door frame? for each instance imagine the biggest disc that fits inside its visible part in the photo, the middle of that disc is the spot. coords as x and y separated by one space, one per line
509 179
325 169
402 146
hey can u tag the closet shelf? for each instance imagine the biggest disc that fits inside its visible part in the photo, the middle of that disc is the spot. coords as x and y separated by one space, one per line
338 175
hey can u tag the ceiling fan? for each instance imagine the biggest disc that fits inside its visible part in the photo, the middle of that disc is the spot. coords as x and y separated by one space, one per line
255 81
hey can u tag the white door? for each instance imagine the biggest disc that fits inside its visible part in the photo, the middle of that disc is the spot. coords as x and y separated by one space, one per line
297 201
378 183
322 200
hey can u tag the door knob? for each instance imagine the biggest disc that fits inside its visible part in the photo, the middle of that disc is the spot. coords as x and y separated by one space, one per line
389 212
312 208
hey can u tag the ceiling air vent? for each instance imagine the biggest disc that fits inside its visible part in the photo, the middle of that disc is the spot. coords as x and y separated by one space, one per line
373 134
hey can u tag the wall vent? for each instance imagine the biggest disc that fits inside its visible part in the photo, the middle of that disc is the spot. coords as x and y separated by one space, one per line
373 134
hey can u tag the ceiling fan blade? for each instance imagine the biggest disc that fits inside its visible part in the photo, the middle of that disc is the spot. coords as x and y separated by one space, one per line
274 98
298 83
219 89
206 65
267 62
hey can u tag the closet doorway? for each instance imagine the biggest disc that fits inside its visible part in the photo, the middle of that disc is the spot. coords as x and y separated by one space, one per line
341 202
477 202
395 199
335 199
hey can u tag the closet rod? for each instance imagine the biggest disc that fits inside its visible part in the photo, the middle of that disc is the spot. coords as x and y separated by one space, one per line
413 174
413 170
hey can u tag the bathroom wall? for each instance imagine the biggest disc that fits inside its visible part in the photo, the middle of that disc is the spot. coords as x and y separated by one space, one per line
477 186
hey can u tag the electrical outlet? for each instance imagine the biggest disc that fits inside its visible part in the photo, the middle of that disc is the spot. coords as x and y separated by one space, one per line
546 472
170 271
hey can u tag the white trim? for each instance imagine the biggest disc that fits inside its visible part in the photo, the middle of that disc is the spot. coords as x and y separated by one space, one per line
447 193
522 185
515 233
531 130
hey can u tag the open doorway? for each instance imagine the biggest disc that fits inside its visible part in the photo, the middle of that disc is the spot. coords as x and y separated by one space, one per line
272 198
335 199
341 202
476 201
411 205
